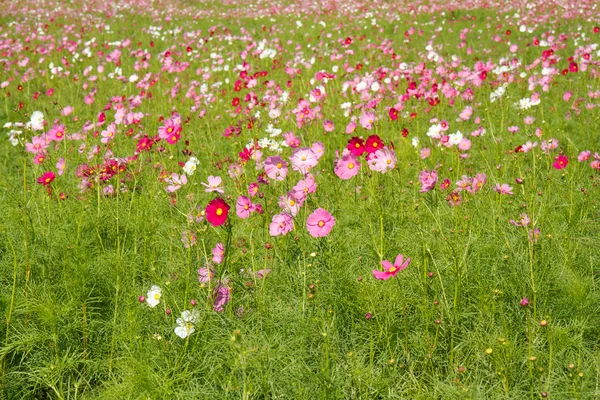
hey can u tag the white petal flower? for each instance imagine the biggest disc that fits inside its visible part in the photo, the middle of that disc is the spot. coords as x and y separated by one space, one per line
153 297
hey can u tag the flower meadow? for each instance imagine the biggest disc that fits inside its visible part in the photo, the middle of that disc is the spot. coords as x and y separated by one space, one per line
300 200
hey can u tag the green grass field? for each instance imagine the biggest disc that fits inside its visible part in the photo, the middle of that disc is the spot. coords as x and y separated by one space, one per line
486 309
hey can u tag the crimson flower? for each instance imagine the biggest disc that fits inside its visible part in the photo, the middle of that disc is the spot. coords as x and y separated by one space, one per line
373 144
217 211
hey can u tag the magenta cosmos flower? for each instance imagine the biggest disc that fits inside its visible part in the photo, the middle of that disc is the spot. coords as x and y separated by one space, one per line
391 270
560 162
320 223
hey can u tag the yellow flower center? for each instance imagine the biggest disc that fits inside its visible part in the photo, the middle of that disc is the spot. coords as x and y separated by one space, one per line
278 165
156 296
392 269
219 211
321 223
357 145
47 180
374 144
292 203
245 207
169 130
350 166
388 161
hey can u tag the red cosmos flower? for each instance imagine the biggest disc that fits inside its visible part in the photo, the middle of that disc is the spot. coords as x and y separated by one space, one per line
560 162
373 144
393 113
216 211
573 67
46 178
356 146
404 132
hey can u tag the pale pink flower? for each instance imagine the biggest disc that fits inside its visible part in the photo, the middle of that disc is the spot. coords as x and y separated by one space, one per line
281 224
214 185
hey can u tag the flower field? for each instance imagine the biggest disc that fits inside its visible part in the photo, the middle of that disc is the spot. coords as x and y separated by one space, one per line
300 199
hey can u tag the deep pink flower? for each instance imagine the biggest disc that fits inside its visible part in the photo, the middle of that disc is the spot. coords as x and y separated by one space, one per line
216 211
46 178
560 162
320 223
391 270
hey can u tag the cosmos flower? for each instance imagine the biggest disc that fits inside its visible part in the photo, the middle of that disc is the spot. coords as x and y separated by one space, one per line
320 223
391 270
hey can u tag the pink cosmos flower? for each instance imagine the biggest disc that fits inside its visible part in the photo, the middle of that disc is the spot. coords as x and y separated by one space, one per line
253 189
319 149
464 183
56 133
170 131
218 253
222 296
347 167
584 156
244 207
303 160
425 153
382 160
205 275
38 144
466 113
60 165
328 125
428 180
351 127
320 223
214 185
523 221
560 162
291 140
66 111
304 187
289 204
109 133
503 189
175 182
367 119
391 270
276 168
454 199
478 181
281 224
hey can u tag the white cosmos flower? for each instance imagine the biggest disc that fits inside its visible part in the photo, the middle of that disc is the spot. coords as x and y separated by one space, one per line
37 121
153 297
185 324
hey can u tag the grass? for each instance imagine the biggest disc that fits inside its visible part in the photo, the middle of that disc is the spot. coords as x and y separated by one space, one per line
318 325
